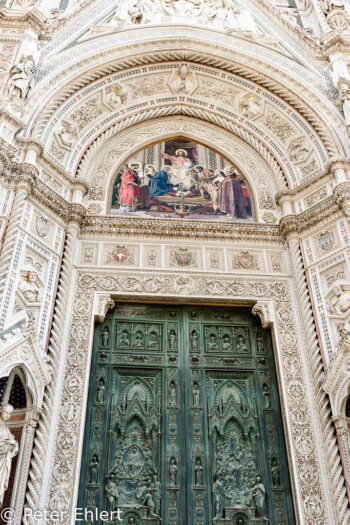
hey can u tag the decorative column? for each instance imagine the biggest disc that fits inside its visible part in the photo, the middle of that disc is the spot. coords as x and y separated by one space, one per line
330 441
40 448
22 188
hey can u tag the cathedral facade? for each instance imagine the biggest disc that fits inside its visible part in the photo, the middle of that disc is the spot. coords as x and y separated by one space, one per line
174 264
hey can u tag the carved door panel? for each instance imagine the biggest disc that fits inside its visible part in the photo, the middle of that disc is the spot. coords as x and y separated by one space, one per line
183 423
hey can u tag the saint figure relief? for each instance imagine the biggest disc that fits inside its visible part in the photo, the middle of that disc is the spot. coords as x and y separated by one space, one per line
8 450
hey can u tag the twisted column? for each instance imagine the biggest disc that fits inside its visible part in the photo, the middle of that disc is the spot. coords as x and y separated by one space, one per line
10 239
329 436
39 456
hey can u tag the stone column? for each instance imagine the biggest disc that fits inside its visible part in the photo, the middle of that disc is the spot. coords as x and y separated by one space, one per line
8 247
41 454
329 438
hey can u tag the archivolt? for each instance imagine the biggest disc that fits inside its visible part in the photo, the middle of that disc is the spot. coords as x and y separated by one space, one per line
87 161
283 85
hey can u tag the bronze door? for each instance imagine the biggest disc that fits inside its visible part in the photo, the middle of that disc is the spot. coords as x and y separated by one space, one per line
183 423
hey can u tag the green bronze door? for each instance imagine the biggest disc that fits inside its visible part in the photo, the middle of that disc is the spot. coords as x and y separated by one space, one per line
183 423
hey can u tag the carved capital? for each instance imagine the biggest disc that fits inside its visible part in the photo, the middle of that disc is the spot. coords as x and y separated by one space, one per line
103 303
264 310
342 196
76 214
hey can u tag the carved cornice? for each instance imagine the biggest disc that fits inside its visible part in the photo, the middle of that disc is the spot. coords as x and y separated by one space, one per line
20 17
178 228
297 224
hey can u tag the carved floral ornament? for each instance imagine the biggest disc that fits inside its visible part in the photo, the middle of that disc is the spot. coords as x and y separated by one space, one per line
95 294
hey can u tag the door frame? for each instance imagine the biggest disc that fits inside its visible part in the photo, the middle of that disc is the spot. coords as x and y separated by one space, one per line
276 305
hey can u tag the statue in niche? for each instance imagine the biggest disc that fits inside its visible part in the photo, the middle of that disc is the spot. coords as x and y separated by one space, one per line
131 520
345 100
8 449
259 495
172 472
198 472
218 495
241 344
172 341
240 521
195 395
172 394
100 396
259 343
226 345
275 473
138 343
112 493
124 341
212 344
153 342
156 488
28 287
94 469
105 336
194 340
266 396
21 79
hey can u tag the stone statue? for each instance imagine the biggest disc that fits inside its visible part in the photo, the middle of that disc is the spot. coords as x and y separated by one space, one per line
172 394
276 482
194 340
259 494
198 472
8 449
112 493
149 502
28 288
196 395
21 79
94 470
172 472
329 5
345 99
266 396
116 96
67 134
105 336
172 340
100 396
183 80
157 494
218 494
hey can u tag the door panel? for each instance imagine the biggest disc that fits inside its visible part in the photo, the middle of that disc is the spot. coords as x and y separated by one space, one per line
183 424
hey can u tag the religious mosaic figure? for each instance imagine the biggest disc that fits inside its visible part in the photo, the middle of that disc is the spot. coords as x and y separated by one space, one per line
172 472
112 493
94 470
181 168
159 183
231 195
129 188
8 449
172 340
259 495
